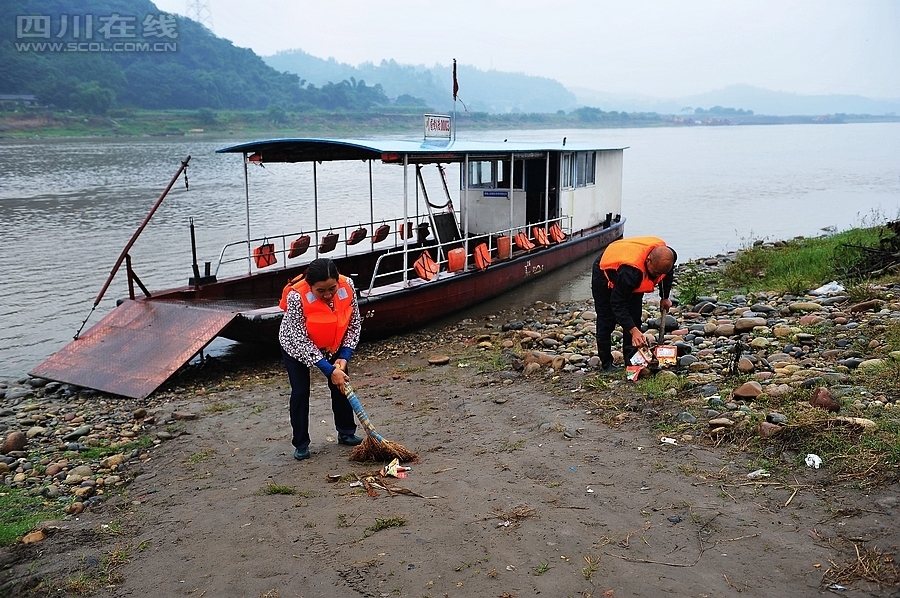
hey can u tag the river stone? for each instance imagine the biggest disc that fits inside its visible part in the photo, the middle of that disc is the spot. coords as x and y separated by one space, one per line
870 363
776 418
76 434
35 431
82 470
15 441
804 306
811 319
747 390
745 365
744 324
439 359
759 342
823 399
779 390
112 461
531 367
724 330
722 422
768 429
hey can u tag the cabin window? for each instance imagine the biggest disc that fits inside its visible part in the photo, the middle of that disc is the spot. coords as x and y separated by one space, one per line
568 171
492 174
481 173
578 169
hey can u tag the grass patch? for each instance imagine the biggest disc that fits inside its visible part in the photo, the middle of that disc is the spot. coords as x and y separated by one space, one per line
691 282
383 524
99 452
20 513
200 457
801 264
220 407
513 446
272 489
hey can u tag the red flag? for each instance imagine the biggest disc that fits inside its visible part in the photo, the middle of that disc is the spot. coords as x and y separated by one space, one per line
455 82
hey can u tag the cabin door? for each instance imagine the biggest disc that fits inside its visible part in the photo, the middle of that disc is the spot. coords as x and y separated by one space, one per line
535 185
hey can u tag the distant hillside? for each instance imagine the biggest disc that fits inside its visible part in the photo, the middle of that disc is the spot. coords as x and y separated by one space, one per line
760 101
99 54
482 91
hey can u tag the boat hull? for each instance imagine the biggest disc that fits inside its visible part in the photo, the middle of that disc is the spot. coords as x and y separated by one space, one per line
421 303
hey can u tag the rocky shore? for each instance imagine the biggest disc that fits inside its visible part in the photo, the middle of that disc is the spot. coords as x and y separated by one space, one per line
72 445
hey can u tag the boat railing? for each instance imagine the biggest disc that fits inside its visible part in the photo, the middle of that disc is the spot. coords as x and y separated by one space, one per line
241 252
565 223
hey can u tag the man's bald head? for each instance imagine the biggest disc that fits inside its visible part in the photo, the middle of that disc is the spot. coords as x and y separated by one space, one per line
660 260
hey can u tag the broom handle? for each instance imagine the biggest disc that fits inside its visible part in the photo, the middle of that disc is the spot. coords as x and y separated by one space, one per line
361 413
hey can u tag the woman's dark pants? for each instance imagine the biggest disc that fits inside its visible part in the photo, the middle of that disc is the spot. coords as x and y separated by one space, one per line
298 374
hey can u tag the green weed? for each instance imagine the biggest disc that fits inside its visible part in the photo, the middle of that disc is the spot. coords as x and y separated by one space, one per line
383 524
20 513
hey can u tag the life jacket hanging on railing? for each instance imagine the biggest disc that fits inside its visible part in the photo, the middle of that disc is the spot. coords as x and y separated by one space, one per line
504 247
381 233
523 243
456 260
482 256
357 236
299 246
329 242
540 236
408 231
426 268
556 233
264 255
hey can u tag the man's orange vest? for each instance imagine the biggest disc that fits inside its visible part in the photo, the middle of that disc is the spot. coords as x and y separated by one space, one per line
326 327
632 252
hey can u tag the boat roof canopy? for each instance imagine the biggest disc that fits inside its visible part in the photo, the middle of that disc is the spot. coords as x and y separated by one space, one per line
393 150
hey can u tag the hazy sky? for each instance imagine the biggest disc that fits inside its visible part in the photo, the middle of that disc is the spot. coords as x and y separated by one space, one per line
662 48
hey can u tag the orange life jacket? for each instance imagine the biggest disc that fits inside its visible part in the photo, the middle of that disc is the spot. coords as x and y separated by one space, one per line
540 236
299 246
482 256
381 233
325 327
264 255
632 252
556 233
426 267
522 242
357 236
456 260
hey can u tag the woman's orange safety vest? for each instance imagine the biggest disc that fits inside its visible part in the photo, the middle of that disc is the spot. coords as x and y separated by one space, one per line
632 252
326 327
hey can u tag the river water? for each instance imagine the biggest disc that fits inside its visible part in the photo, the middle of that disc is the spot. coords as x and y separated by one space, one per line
69 206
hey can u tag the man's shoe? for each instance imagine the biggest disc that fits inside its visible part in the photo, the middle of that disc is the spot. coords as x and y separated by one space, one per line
301 454
611 369
349 439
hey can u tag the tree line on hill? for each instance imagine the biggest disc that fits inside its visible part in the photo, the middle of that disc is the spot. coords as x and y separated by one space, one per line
74 55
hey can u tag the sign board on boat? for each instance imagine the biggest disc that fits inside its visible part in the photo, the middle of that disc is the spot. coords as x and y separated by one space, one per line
437 125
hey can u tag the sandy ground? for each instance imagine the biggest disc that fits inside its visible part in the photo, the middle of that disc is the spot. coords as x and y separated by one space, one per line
528 486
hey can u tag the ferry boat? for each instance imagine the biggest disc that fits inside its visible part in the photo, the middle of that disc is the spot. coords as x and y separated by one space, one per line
522 210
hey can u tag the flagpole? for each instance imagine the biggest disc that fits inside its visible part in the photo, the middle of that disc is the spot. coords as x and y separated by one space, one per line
455 89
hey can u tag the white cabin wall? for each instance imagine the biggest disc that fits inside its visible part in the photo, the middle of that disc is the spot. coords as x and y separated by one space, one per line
590 205
490 214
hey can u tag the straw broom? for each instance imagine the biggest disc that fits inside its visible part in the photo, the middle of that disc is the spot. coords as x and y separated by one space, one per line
374 447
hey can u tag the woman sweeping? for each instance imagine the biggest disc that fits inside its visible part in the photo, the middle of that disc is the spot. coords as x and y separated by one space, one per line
320 328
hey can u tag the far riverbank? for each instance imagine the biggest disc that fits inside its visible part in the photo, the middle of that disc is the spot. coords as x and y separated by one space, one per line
41 122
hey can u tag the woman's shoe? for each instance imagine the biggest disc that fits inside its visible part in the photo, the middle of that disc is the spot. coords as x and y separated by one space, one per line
349 439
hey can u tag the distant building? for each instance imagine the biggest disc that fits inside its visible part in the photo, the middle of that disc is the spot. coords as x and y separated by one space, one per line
12 99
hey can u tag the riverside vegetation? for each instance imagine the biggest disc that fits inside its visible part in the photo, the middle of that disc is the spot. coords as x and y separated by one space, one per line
766 372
